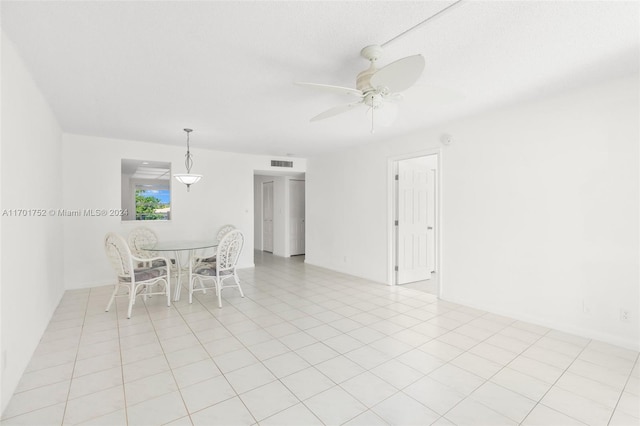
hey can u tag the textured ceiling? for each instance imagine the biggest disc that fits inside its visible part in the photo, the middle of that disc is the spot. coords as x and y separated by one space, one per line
145 70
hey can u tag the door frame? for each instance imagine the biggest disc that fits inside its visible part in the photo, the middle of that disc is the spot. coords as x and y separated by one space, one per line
392 209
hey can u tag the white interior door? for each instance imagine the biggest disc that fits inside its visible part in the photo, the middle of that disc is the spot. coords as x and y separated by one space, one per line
267 216
431 220
296 217
413 236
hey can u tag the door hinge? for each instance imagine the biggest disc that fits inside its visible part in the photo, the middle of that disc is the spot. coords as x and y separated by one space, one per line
397 177
396 223
396 268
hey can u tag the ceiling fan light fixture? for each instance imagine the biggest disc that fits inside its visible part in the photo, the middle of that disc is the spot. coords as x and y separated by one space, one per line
188 178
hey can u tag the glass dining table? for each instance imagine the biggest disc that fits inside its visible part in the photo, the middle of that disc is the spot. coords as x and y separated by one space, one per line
180 247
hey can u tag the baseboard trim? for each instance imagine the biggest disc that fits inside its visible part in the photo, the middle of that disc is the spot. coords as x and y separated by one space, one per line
622 341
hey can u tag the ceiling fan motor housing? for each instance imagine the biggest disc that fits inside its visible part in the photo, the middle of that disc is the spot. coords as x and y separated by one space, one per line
363 81
373 99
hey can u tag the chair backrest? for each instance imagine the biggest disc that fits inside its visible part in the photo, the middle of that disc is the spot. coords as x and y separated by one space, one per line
224 231
141 237
229 250
118 253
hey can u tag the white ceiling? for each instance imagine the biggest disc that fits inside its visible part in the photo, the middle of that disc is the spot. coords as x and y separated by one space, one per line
145 70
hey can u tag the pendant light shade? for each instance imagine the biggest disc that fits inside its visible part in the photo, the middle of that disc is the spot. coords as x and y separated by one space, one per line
188 178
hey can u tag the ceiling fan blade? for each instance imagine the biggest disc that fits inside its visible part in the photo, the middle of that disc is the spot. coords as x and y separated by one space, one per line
335 111
329 88
399 75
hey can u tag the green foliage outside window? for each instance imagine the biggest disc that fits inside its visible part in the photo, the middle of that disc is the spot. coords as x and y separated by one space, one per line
147 207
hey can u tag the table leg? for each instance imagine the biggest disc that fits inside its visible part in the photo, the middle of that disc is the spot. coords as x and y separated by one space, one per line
190 276
176 294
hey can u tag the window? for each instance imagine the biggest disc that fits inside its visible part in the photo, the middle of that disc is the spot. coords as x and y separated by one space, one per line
146 190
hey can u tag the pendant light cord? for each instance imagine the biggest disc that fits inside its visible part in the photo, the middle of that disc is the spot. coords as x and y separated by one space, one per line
188 161
423 22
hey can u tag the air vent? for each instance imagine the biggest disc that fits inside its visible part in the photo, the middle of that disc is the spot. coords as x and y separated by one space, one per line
278 163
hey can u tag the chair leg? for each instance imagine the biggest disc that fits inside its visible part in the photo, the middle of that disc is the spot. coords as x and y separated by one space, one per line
235 277
203 287
218 283
191 289
132 300
113 296
167 290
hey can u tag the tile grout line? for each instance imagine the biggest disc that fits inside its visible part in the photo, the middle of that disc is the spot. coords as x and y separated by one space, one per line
317 341
117 319
623 389
457 356
278 379
539 402
380 319
124 388
210 357
155 330
398 313
75 360
498 371
418 348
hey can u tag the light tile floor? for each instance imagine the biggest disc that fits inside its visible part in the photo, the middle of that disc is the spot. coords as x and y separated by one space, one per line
309 346
427 286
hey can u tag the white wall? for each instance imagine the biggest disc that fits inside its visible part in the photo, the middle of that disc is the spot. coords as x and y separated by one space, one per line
223 196
346 211
540 206
128 200
31 280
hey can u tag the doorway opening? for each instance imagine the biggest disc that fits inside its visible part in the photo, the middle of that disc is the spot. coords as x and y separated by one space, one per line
279 213
415 230
267 216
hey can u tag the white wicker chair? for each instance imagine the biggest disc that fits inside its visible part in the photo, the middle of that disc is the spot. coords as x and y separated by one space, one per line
137 280
224 230
142 237
228 253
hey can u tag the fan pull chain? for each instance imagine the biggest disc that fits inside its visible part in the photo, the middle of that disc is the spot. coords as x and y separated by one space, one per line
372 128
420 23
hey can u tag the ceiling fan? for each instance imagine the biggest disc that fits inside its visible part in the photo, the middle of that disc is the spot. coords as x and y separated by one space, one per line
375 88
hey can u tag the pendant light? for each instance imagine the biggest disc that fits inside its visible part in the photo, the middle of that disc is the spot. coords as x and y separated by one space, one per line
188 178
